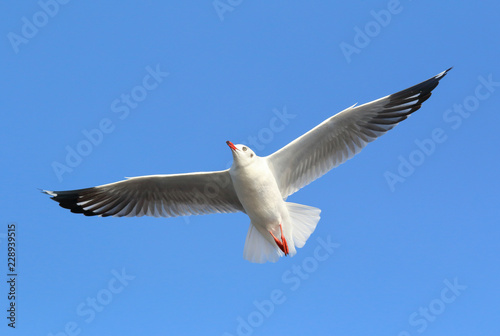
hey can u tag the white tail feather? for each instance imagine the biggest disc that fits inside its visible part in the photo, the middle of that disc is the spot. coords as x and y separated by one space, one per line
304 221
303 218
257 249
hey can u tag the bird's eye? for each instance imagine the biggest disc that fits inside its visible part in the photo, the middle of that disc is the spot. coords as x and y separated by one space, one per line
244 149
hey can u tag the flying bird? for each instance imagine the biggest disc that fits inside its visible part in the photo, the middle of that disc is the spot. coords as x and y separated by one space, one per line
257 186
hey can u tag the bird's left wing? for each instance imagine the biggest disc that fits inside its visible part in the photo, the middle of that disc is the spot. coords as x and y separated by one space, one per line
340 137
155 195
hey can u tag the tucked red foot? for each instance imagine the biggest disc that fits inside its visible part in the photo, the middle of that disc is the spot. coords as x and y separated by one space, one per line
283 245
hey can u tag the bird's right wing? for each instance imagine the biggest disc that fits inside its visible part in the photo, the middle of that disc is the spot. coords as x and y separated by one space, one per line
340 137
155 195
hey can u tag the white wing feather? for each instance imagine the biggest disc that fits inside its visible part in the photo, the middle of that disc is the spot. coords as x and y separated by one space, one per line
155 195
342 136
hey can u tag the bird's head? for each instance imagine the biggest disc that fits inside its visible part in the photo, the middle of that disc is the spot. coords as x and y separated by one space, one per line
242 154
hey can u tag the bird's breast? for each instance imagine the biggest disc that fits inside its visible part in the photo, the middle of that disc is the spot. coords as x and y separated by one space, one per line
258 192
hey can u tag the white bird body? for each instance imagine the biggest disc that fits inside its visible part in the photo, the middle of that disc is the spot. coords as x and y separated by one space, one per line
257 186
260 196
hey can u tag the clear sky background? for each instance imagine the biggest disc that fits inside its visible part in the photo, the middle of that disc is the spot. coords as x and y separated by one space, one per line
411 224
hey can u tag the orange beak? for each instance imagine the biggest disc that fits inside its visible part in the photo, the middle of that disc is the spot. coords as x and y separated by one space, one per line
231 145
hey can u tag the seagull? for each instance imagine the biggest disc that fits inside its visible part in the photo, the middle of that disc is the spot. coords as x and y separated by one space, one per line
257 186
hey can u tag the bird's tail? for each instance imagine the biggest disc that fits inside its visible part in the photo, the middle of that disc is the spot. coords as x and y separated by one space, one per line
303 220
259 250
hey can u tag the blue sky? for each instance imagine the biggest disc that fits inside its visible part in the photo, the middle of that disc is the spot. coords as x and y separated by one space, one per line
408 239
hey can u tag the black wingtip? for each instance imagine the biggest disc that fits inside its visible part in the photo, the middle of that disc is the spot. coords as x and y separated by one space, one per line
442 74
48 192
69 200
398 102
